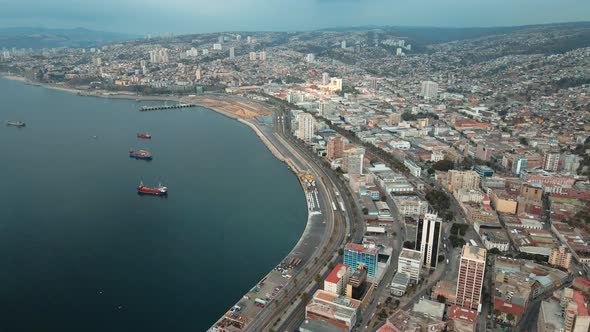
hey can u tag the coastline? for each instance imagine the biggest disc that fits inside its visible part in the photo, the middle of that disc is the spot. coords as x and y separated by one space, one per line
246 120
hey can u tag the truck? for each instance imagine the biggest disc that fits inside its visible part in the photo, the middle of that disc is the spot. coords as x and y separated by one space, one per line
260 302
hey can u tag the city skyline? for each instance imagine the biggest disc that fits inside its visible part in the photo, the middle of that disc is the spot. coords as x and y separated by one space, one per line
183 17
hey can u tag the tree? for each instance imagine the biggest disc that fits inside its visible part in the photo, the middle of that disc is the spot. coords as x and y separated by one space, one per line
318 278
304 297
441 298
340 251
523 141
510 317
409 244
441 258
365 211
494 251
431 171
443 165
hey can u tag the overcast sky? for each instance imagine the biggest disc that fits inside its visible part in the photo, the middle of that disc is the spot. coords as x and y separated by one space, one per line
195 16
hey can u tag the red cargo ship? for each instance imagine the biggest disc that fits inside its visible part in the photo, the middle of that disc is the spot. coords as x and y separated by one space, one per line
159 191
144 136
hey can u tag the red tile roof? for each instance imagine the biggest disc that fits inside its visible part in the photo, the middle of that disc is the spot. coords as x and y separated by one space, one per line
456 312
333 276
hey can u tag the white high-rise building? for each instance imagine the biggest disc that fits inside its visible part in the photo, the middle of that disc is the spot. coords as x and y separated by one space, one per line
428 238
429 90
205 51
343 44
262 56
159 55
325 79
305 127
217 47
310 57
232 52
253 56
198 74
249 40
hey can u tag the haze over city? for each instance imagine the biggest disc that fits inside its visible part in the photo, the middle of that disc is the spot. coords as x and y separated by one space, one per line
189 16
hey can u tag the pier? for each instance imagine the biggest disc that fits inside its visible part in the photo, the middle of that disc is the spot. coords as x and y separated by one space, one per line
165 107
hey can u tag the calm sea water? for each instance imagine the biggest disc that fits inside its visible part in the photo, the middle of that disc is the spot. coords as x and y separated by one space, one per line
81 251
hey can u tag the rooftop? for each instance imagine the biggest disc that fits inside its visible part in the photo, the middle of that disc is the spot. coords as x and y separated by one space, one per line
474 253
410 254
337 273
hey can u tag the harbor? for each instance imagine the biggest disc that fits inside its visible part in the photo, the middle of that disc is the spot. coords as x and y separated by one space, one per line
165 107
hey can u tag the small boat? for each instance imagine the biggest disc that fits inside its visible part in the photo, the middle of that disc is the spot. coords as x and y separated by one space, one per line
144 136
19 124
158 191
140 154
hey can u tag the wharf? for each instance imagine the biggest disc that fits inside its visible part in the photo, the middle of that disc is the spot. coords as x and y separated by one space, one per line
165 107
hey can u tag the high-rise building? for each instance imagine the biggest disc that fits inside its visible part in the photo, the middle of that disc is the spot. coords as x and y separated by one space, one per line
262 56
217 47
519 165
232 52
352 160
249 40
310 57
359 254
373 83
429 90
337 279
343 44
428 238
305 127
471 276
159 55
253 56
358 287
205 51
560 256
410 263
551 161
335 148
97 61
336 311
198 74
325 79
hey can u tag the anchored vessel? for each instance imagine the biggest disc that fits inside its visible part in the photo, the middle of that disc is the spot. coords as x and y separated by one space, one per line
140 154
15 123
144 136
158 191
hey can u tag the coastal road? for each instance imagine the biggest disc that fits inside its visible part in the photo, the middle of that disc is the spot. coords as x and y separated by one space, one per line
336 228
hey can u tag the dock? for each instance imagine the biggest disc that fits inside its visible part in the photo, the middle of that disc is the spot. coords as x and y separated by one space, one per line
165 107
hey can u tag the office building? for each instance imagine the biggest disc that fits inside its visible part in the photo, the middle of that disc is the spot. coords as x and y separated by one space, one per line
551 161
560 256
305 127
262 56
217 47
428 233
358 287
310 57
232 52
519 165
335 148
352 160
343 44
356 255
471 276
415 170
249 40
429 90
198 74
483 171
253 56
410 263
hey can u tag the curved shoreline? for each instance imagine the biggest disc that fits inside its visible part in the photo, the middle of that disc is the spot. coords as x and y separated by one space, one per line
253 126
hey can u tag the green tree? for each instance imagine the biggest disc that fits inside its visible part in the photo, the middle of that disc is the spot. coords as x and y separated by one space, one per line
443 165
441 298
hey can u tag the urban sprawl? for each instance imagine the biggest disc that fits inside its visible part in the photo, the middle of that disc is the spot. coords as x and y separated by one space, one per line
465 163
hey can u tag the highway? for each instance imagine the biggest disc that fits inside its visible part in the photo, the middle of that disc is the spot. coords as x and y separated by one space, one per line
338 227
